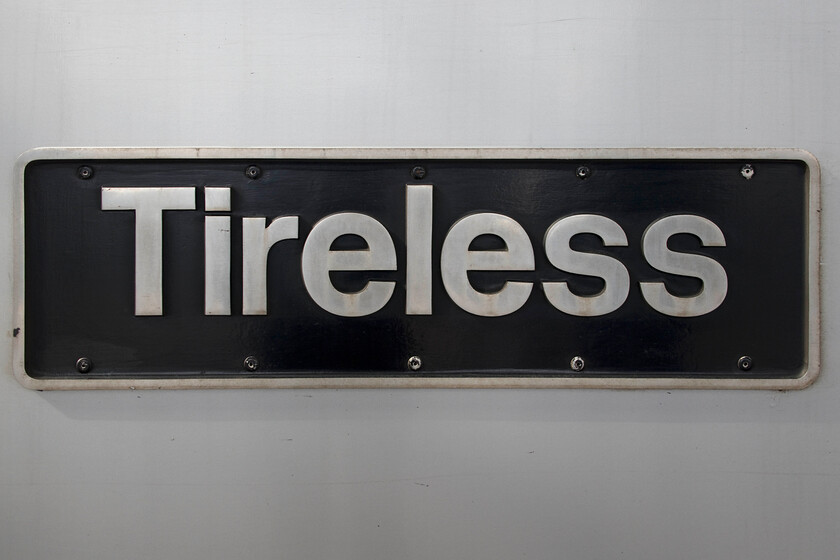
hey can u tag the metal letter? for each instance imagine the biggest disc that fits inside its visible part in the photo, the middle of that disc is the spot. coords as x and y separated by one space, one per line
217 265
418 240
217 252
456 259
216 199
257 240
709 271
317 262
615 275
148 204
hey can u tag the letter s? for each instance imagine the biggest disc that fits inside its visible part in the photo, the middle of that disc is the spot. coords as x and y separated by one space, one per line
660 257
615 275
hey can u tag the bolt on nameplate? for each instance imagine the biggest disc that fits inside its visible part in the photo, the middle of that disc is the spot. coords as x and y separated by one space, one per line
426 268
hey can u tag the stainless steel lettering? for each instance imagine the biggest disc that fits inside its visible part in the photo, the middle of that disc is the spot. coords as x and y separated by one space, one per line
615 275
318 260
217 199
148 204
418 239
217 252
709 271
456 260
257 241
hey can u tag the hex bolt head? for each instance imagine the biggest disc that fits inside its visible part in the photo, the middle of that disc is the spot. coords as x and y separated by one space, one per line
84 172
747 171
745 363
415 363
253 172
251 363
583 172
576 364
418 172
83 365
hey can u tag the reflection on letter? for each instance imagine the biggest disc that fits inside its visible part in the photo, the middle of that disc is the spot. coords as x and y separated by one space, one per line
217 252
456 259
709 271
318 261
418 239
615 275
256 242
217 265
148 204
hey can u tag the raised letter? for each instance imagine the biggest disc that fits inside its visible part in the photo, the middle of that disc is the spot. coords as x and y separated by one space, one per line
257 240
709 271
615 275
318 261
418 240
217 252
456 259
148 204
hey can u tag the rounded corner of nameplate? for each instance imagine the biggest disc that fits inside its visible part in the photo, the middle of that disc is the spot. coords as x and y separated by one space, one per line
808 158
27 381
809 377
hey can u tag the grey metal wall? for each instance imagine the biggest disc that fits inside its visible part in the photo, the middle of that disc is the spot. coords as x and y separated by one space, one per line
493 474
